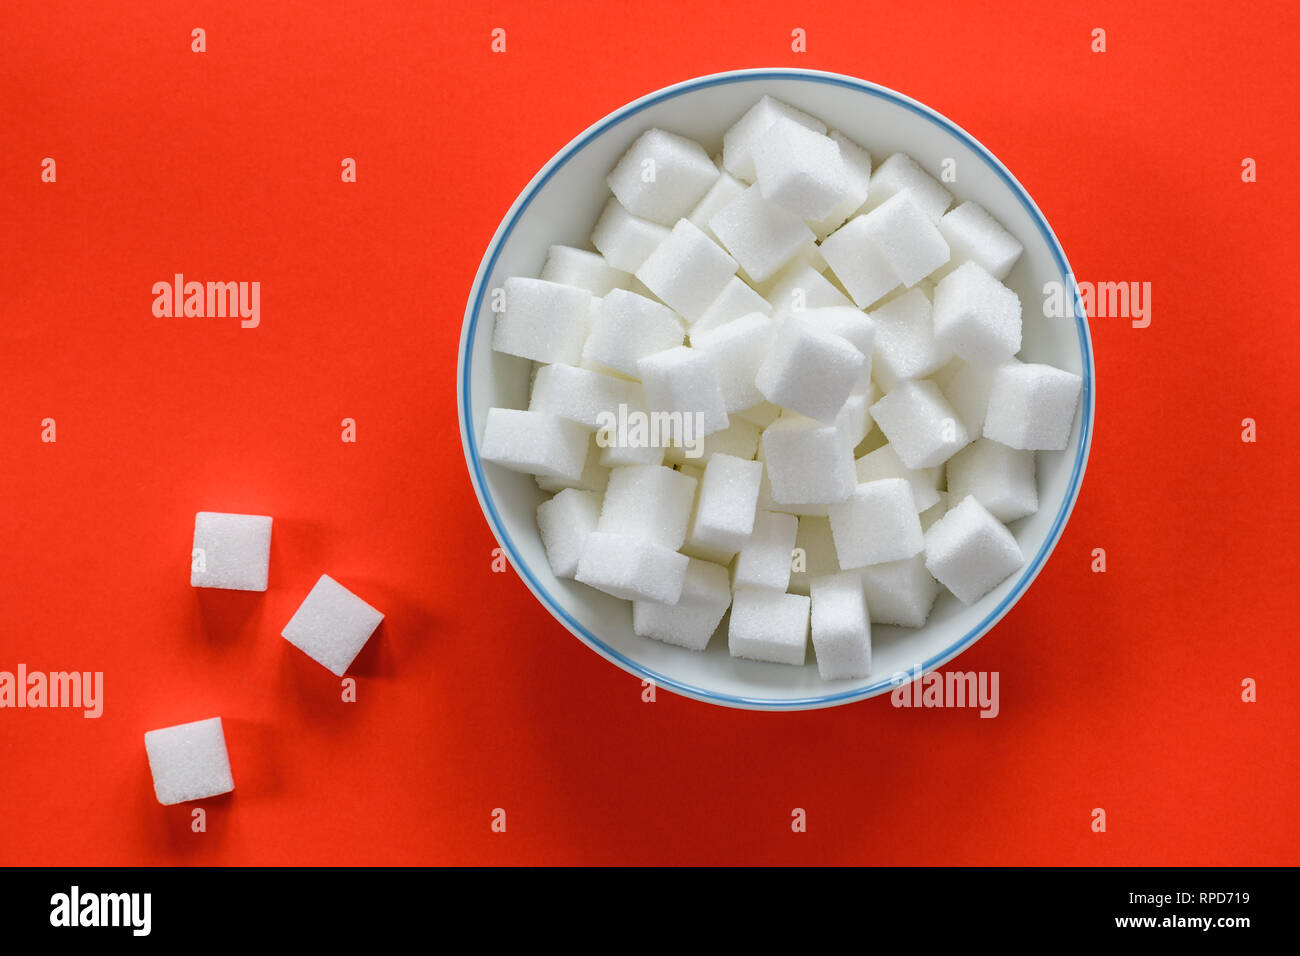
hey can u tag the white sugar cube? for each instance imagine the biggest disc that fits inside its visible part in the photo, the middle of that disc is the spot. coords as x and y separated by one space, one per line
975 236
967 390
1000 478
594 477
905 344
884 462
625 240
543 321
799 169
734 301
737 350
738 142
684 383
648 502
848 323
854 422
877 523
814 553
809 369
857 170
536 443
632 569
768 626
801 288
723 519
901 173
662 176
231 551
807 463
858 262
331 625
761 235
764 560
189 761
841 628
970 552
629 327
724 189
907 239
1032 406
739 439
581 395
920 424
976 316
564 522
899 592
586 270
706 594
688 270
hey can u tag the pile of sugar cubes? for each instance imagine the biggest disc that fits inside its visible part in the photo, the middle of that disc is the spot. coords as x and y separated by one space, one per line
232 552
830 351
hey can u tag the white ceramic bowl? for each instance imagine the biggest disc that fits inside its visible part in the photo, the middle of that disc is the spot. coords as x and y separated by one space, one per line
561 204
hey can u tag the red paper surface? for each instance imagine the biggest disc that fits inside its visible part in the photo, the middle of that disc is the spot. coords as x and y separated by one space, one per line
1119 691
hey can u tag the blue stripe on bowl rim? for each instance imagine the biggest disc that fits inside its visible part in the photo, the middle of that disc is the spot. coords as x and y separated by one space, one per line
470 444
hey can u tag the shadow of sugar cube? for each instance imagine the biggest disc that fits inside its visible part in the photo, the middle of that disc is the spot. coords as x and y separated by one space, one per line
331 625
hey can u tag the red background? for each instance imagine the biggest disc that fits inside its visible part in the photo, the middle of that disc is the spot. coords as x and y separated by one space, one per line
1118 690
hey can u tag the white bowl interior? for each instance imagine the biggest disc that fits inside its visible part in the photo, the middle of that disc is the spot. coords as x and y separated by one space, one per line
561 206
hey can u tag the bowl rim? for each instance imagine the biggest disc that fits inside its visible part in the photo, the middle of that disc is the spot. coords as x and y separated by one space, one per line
475 466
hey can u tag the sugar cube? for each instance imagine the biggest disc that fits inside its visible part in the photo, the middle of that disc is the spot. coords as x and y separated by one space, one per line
858 262
975 236
761 235
1032 406
586 270
629 327
662 176
899 592
536 443
544 321
706 594
764 560
807 462
632 569
564 522
594 477
737 350
884 462
684 383
841 629
724 189
799 169
814 553
857 170
809 369
907 239
768 626
625 240
723 519
970 552
581 395
649 502
905 344
1000 478
901 173
688 270
738 142
976 316
877 523
801 288
920 424
734 301
331 625
231 551
189 761
967 390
